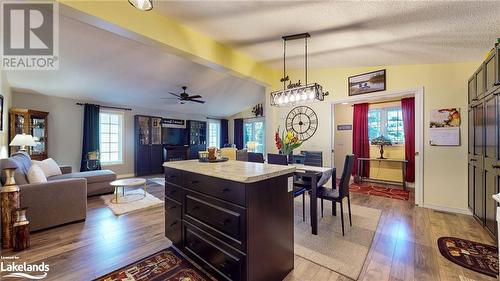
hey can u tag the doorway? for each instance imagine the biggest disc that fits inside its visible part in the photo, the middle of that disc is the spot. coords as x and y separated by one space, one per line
342 139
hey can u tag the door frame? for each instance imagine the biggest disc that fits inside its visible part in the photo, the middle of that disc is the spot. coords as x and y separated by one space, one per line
418 93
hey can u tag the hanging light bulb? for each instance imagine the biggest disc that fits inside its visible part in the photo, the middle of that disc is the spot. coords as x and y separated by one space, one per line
311 95
280 99
143 5
292 97
285 100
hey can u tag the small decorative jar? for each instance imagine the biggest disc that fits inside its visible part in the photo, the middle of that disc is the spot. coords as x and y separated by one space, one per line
9 197
20 231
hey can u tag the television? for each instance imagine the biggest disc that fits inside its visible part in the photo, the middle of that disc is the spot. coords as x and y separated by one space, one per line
174 136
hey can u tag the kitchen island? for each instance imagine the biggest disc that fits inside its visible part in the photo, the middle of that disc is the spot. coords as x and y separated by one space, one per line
234 218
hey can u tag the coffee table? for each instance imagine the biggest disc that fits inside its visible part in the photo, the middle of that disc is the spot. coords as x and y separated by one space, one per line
127 183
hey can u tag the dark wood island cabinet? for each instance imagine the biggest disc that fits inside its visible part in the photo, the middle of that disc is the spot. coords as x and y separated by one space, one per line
235 219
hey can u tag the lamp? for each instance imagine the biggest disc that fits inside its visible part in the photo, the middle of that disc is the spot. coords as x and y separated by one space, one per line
23 140
295 93
143 5
381 140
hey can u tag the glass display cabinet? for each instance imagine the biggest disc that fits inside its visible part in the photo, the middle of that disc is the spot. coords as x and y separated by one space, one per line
31 122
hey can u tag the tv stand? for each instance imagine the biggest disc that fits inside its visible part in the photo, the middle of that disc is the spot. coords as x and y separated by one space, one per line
175 152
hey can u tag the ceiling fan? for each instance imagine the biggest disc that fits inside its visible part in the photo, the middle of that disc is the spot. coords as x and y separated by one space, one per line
185 97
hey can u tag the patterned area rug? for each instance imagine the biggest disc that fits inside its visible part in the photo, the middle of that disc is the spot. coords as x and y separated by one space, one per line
475 256
165 265
134 200
394 193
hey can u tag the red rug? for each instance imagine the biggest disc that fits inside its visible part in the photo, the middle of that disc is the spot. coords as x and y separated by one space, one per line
476 256
394 193
166 265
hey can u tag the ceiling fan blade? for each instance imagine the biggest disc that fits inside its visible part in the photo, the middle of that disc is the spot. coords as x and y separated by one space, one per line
194 97
174 94
169 98
198 101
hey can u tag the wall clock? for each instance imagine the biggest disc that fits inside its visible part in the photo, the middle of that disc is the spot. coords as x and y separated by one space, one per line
303 121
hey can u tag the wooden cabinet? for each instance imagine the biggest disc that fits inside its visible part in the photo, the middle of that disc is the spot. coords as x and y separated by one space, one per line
228 227
148 145
30 122
484 144
197 137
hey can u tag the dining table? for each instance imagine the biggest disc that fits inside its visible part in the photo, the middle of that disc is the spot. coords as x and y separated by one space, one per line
318 176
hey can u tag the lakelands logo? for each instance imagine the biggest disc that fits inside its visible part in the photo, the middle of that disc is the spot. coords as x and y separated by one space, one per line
23 270
30 35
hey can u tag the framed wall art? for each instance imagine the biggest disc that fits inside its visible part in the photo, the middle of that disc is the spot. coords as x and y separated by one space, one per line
367 83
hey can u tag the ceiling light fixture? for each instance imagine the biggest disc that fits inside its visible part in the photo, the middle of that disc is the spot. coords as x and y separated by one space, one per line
143 5
294 93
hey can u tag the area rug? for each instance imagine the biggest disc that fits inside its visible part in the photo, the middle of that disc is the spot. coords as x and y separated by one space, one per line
342 254
160 181
166 265
132 202
475 256
394 193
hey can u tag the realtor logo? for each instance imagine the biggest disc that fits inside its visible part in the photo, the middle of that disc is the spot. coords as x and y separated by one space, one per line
30 35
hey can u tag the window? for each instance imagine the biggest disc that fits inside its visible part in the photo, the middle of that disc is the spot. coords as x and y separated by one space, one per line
254 131
387 122
111 137
214 133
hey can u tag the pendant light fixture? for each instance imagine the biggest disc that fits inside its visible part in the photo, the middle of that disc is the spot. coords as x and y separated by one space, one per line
295 93
143 5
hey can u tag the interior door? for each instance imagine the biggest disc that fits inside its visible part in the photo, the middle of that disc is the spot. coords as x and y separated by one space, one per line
477 161
470 166
490 159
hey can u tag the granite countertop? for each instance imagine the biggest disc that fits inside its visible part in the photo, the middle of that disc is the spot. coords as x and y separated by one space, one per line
240 171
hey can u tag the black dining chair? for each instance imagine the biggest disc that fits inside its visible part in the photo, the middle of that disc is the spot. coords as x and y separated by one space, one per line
313 158
336 195
281 159
255 157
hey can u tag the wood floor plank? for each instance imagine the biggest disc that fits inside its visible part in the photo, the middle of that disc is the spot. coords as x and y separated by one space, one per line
404 246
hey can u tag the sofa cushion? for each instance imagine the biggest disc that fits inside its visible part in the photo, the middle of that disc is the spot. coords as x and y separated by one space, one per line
91 176
36 174
49 167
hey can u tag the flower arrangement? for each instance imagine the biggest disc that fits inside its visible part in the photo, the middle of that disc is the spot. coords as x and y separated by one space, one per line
287 142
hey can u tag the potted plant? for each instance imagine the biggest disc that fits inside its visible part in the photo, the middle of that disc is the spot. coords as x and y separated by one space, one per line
287 142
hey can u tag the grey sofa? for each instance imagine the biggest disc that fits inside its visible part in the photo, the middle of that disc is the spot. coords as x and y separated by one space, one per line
63 198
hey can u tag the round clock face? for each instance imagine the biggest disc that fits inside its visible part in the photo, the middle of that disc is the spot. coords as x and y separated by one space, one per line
303 121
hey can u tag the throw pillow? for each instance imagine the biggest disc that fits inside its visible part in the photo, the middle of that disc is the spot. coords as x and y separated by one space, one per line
49 167
36 174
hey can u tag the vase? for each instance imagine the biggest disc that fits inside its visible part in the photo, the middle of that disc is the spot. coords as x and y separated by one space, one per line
9 195
20 231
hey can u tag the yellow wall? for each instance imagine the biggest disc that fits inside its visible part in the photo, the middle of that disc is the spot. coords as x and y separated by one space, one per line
445 85
343 145
4 133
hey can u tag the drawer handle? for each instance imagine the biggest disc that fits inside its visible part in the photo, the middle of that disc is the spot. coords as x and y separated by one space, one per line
174 223
225 190
196 208
194 243
172 207
225 222
172 191
172 176
195 182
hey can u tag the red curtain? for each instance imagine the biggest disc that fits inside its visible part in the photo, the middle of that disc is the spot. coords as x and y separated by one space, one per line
408 107
360 141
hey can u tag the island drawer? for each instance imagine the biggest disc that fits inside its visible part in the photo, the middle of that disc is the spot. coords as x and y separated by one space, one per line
213 255
173 192
173 222
224 220
231 191
173 176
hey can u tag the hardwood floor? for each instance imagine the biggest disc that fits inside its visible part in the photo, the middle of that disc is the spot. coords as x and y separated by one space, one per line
404 246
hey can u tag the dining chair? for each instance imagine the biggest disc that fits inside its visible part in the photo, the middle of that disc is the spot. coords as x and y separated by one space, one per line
338 194
281 159
313 158
242 155
255 157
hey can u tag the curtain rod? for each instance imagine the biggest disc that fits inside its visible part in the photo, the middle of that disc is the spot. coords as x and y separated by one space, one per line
379 102
110 107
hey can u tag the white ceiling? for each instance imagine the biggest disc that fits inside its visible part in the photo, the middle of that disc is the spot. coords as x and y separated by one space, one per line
347 33
97 65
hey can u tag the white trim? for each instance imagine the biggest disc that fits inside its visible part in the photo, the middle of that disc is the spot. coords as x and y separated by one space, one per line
131 175
418 93
448 209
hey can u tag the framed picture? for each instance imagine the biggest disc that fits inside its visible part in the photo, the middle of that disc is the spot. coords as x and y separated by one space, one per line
1 113
366 83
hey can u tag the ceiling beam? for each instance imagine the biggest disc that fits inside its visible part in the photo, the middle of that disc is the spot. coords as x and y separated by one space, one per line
155 29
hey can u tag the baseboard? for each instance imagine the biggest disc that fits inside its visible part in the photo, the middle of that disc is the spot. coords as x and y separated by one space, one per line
125 176
448 209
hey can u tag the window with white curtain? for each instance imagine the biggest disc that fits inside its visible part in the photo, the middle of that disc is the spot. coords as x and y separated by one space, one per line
214 133
254 130
111 137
